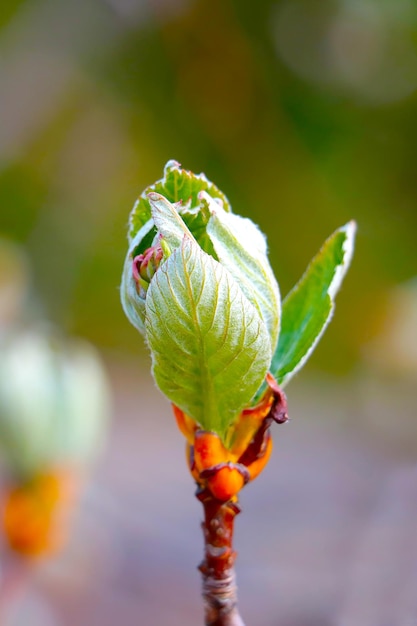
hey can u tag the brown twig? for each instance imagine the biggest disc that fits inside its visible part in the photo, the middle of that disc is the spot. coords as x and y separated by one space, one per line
217 568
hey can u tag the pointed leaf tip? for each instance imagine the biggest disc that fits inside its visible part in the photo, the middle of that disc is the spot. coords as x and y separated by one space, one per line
348 248
167 220
176 185
308 307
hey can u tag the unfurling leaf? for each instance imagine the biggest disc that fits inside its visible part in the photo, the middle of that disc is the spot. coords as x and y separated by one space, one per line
210 347
177 185
198 285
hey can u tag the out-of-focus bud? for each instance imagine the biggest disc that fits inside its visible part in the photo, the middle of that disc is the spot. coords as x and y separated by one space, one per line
54 402
54 405
37 513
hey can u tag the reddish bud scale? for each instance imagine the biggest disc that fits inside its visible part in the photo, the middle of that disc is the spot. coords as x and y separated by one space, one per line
189 451
223 471
256 467
249 423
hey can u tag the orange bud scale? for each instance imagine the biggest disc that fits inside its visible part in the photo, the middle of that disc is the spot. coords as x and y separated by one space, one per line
225 470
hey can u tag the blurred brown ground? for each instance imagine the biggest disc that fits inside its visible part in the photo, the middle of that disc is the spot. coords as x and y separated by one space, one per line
326 538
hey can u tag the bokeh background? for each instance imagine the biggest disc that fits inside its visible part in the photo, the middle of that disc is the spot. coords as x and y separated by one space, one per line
305 115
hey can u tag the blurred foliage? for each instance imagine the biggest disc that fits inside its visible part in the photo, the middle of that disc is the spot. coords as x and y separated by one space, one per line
303 113
54 403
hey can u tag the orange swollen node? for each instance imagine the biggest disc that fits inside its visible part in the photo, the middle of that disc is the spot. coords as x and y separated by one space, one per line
226 483
215 467
34 514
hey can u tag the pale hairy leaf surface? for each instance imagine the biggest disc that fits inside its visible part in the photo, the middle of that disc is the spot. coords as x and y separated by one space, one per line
241 247
177 185
308 308
172 229
167 220
210 349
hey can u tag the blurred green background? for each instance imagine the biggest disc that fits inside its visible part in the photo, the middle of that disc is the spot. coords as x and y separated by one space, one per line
305 115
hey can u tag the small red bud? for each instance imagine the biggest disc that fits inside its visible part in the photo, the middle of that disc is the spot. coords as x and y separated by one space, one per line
144 267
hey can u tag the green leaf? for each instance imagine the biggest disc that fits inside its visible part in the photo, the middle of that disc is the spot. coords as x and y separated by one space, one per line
241 247
196 221
308 308
210 348
167 221
177 185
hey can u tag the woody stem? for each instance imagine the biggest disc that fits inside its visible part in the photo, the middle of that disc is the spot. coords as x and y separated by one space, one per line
217 568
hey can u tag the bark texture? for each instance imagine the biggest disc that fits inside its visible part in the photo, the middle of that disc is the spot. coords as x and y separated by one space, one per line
217 568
